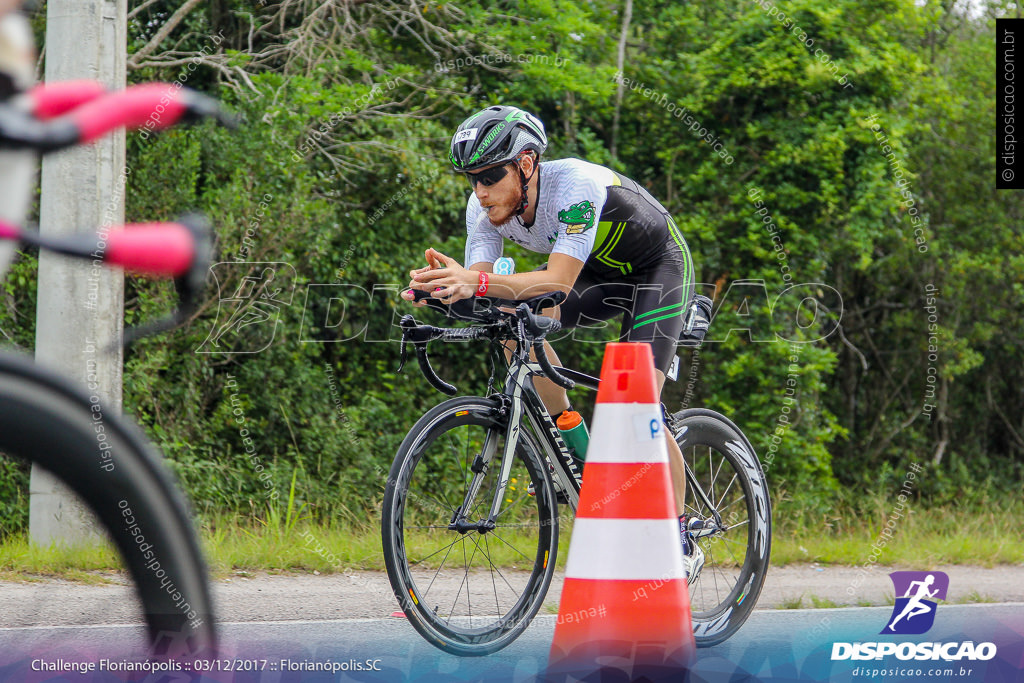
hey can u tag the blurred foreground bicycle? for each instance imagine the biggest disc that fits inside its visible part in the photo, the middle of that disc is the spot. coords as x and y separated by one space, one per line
45 419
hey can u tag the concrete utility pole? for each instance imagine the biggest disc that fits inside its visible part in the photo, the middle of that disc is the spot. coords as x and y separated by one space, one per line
80 307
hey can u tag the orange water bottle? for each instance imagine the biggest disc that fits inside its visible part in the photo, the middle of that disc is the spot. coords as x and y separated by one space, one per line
574 432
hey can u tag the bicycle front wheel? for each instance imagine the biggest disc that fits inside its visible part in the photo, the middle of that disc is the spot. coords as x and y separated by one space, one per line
726 486
107 463
470 592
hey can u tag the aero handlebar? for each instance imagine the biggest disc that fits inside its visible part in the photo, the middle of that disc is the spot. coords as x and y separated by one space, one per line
532 329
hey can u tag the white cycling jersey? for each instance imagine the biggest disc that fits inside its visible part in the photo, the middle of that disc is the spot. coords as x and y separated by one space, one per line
571 197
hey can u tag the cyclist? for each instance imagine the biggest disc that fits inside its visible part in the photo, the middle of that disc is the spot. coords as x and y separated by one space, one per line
614 249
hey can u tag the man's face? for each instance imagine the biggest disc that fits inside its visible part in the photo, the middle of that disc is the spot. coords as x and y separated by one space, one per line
500 199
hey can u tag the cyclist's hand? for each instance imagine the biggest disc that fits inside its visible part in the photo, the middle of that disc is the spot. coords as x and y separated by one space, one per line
432 263
408 296
431 255
450 283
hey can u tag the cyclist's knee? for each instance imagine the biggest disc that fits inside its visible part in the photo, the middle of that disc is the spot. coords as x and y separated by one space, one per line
552 312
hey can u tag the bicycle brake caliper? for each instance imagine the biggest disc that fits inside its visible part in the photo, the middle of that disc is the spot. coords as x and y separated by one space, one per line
502 409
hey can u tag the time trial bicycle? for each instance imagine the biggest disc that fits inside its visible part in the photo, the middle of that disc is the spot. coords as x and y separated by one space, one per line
470 516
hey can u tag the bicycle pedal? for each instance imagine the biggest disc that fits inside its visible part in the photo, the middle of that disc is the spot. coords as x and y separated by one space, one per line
699 528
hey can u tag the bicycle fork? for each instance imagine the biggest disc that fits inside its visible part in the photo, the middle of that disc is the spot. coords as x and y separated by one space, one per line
511 407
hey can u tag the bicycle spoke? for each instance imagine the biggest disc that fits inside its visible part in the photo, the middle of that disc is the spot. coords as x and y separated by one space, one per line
711 469
514 504
726 491
495 568
525 557
434 578
438 551
440 504
465 582
739 563
497 607
723 509
711 556
714 475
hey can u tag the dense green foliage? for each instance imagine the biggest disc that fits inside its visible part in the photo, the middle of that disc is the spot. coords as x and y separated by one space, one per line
339 171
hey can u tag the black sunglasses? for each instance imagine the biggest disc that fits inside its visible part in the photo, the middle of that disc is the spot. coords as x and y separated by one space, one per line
489 177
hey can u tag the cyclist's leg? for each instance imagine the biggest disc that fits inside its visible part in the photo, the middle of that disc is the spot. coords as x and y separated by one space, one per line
657 318
589 301
675 460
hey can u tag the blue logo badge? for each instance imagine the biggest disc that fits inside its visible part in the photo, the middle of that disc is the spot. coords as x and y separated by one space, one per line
916 592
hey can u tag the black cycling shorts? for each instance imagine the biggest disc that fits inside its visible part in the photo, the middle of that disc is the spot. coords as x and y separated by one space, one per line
652 301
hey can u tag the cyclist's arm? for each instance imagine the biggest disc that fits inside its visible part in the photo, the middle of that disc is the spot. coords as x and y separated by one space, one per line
452 282
560 275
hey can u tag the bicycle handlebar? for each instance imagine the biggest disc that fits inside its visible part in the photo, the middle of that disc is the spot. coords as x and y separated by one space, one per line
418 336
84 112
533 328
181 250
48 100
537 327
161 249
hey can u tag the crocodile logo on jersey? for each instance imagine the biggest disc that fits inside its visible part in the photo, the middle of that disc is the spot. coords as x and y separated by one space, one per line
579 217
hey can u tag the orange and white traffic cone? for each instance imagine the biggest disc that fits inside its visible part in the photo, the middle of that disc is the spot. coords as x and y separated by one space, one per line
625 606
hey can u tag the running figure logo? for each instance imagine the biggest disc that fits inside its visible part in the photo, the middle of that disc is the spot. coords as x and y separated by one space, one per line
914 612
247 319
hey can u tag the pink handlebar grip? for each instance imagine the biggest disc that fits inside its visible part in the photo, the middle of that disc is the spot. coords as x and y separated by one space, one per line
8 231
53 99
130 108
152 248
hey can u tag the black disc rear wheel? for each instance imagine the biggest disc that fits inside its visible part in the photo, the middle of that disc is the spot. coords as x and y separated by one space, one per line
737 544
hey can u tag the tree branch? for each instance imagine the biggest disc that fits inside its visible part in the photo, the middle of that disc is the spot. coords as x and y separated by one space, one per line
627 17
164 31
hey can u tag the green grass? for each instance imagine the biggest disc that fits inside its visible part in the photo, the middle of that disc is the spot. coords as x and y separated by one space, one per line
974 597
793 603
823 603
285 539
921 538
20 560
816 602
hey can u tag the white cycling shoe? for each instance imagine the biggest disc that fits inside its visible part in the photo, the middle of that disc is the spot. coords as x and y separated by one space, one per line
693 556
693 563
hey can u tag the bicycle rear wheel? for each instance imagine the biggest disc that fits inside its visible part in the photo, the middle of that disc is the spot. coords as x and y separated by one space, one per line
721 463
46 420
467 593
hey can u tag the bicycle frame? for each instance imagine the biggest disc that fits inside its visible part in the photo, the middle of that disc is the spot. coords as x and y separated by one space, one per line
519 398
